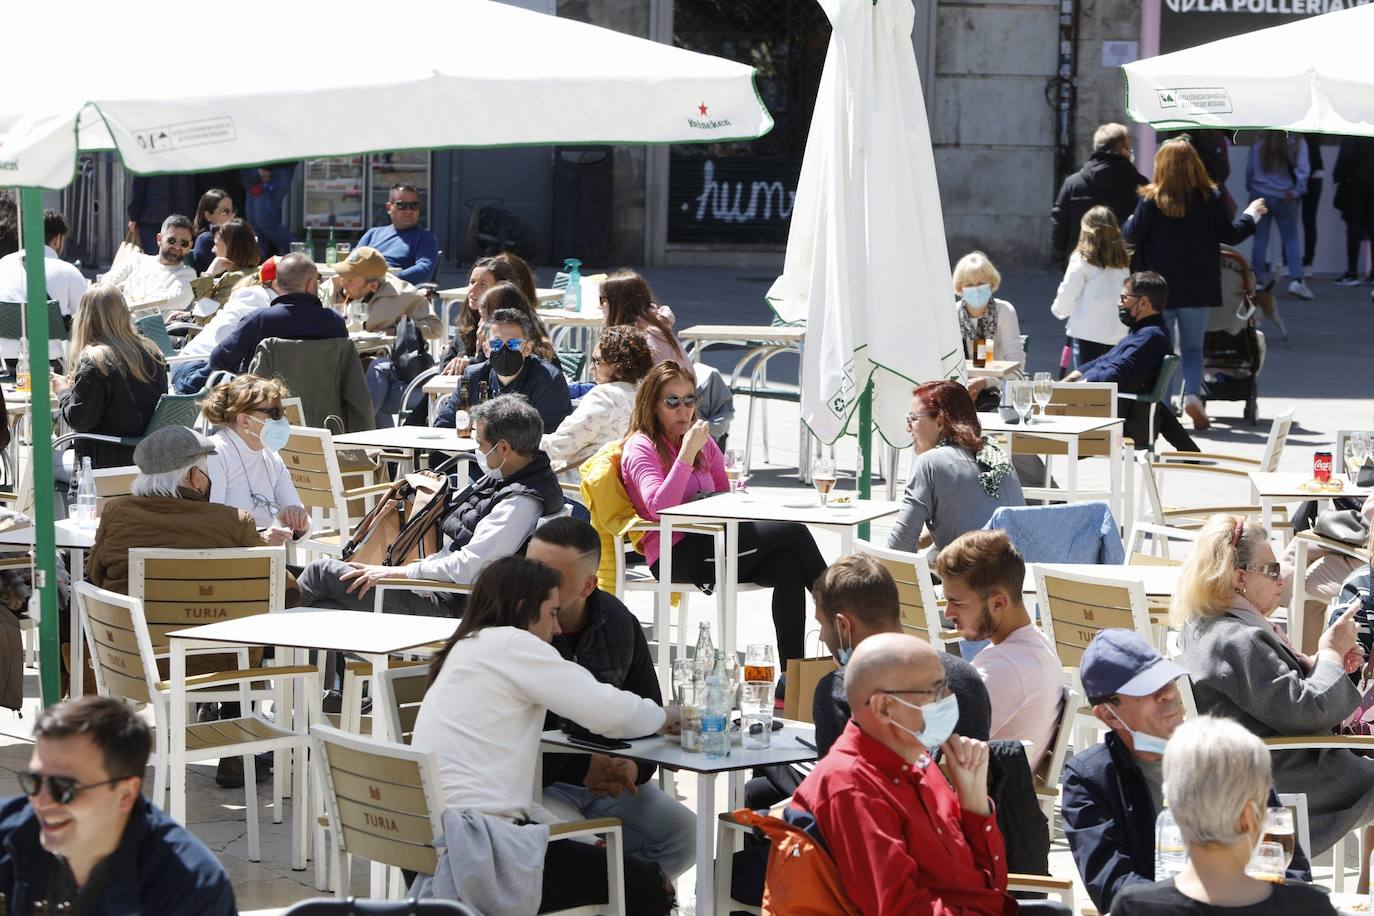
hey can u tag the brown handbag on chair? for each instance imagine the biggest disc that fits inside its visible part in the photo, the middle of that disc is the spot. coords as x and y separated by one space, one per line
404 525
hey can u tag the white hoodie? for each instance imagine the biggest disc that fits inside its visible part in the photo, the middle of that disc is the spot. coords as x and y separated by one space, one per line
1088 297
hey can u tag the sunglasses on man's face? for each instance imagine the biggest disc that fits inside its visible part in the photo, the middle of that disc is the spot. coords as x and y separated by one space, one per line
180 243
496 343
406 204
62 788
673 402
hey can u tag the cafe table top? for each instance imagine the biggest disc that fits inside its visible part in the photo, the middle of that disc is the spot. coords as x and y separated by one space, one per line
408 437
1290 485
543 295
363 632
1041 425
783 504
743 333
998 368
666 750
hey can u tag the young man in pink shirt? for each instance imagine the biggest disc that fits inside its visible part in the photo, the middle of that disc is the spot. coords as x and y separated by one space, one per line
982 574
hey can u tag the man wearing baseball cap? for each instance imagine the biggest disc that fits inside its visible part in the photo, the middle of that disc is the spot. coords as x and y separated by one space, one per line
1113 791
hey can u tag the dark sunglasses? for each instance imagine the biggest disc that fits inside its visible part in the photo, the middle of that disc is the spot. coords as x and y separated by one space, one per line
62 788
496 343
1272 570
406 204
180 243
674 402
272 413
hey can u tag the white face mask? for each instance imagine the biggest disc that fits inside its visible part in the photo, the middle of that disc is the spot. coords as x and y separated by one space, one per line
483 460
940 719
1144 743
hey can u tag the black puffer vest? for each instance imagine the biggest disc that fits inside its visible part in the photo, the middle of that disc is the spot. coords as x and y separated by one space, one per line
535 479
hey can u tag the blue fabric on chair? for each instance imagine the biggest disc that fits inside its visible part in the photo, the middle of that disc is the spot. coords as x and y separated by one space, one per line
1072 533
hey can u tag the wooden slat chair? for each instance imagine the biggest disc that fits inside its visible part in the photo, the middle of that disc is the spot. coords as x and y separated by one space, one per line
1194 517
313 464
1160 538
1279 429
294 411
1052 764
121 648
920 603
112 482
1075 399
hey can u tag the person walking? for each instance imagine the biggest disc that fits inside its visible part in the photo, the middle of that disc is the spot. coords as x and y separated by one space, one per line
1277 171
1311 200
1087 295
1354 177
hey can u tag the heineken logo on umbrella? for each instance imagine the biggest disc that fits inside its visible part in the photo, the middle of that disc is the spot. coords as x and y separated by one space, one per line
707 123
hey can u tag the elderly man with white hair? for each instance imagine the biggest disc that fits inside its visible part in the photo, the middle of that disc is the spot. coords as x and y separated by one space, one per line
1217 778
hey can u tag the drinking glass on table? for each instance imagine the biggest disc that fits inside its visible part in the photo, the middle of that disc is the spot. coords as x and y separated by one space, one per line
734 469
823 476
759 663
1278 828
298 247
343 248
1021 398
1267 863
1043 389
756 714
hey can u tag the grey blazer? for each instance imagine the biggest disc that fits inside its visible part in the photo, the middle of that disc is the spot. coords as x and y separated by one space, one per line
1244 671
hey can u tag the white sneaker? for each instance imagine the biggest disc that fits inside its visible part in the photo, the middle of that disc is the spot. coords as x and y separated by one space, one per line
1298 289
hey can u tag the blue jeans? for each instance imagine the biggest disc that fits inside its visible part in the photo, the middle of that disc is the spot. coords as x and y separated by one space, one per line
189 377
1189 325
655 827
1288 215
386 390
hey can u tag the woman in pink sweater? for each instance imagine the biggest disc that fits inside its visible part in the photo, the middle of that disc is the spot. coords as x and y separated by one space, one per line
668 459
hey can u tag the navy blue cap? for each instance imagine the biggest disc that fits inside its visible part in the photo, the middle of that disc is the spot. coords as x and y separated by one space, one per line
1122 661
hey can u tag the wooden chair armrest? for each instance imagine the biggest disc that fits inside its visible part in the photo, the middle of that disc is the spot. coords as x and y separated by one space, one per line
238 675
1043 792
1023 882
425 585
950 635
1199 469
321 533
642 525
1169 457
582 828
1320 742
1350 550
368 490
22 561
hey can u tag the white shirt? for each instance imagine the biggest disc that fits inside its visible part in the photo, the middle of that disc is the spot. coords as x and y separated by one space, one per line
603 414
484 713
145 277
500 533
65 286
241 304
237 472
1088 298
1026 687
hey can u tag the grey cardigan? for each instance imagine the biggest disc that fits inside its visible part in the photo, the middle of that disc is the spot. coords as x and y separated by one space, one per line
1244 671
943 492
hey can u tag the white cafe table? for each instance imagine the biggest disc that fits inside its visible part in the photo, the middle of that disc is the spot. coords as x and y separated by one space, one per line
373 636
997 368
415 439
728 510
1272 487
667 752
1070 431
76 541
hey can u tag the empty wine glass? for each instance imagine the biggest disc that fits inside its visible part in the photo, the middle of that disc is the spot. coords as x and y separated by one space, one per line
823 476
1043 389
1021 399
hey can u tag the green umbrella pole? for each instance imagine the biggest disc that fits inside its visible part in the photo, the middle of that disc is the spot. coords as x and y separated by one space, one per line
866 448
40 418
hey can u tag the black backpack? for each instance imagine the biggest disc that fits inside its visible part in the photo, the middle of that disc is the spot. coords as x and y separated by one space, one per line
409 354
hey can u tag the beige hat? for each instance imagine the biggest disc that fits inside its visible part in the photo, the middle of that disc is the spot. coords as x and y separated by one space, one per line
364 262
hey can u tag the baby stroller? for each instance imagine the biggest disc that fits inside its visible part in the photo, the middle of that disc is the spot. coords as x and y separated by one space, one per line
1233 347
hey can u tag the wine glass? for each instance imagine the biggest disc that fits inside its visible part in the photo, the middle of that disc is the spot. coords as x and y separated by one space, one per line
823 476
1361 441
1021 399
1043 389
734 469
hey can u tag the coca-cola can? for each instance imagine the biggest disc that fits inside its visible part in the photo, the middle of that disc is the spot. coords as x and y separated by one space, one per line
1321 466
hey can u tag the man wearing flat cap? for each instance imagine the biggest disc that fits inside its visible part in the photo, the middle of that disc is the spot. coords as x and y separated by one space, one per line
1113 791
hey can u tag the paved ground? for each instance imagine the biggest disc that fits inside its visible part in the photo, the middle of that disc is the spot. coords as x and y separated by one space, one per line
1322 371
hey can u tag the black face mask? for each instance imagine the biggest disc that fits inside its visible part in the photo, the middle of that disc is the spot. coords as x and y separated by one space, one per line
507 362
1123 314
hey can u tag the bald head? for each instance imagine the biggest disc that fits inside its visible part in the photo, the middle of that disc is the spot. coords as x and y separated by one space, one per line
297 273
888 661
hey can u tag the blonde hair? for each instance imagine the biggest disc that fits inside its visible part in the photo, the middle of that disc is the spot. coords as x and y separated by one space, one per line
1213 768
1207 580
1179 177
228 399
103 334
975 268
1099 239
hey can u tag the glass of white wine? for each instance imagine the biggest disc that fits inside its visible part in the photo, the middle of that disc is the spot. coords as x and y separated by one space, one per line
823 476
1021 398
734 470
1043 390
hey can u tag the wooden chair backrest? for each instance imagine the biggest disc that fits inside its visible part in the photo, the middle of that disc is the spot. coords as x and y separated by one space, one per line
1052 764
408 689
1076 608
1278 438
1074 399
314 468
383 797
117 639
915 589
294 410
1145 559
112 482
187 588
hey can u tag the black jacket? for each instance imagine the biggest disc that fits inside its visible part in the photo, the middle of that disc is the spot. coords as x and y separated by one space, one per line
1109 179
613 648
536 479
295 316
1109 819
1186 250
111 405
158 867
1355 162
543 384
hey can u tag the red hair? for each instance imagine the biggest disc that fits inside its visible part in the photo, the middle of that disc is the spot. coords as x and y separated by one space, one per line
954 411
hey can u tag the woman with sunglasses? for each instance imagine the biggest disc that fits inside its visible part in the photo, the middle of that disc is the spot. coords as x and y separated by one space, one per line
245 471
668 459
1244 668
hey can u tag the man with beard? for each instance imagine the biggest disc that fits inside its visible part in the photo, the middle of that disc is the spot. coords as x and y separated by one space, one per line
161 276
982 573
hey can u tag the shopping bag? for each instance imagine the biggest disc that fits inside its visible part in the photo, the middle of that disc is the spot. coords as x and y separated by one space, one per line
803 674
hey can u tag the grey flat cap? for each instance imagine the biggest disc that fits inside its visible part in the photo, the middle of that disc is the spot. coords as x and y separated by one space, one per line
171 449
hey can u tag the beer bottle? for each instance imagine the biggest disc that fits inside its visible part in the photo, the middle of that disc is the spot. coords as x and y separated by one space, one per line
463 419
483 394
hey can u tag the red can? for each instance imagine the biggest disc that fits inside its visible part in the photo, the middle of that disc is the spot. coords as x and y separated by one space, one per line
1321 466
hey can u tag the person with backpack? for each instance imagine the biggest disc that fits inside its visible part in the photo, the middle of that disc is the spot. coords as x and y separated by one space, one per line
1087 295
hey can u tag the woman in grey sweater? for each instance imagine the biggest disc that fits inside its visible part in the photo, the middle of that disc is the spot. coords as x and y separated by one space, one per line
958 478
1244 668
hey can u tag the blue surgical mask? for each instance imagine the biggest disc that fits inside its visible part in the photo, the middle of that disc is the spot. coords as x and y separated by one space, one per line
977 297
842 652
275 434
940 718
1144 743
484 464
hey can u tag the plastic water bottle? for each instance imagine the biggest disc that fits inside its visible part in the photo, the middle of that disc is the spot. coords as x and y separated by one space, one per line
1171 854
715 720
85 496
21 368
572 296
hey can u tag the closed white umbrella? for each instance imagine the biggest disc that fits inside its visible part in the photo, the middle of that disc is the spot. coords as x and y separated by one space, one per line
320 79
867 267
1312 76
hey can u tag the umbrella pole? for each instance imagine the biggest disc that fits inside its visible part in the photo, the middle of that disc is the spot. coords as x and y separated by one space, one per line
40 420
866 449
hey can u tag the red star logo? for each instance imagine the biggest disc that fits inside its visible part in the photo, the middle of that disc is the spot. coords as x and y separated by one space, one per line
702 108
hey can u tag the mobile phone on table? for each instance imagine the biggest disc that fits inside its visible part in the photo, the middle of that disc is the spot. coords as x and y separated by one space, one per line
598 743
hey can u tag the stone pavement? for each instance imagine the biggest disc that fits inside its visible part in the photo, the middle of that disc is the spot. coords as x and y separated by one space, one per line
1321 371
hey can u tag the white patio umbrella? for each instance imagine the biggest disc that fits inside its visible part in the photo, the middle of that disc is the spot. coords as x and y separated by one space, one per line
321 79
1311 76
866 266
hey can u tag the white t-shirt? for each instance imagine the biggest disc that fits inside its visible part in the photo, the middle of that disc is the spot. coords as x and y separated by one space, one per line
484 713
145 277
1025 684
65 286
241 304
237 472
